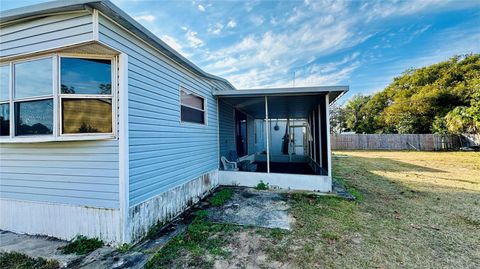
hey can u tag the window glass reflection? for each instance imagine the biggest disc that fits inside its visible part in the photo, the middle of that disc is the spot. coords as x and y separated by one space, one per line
4 81
87 116
192 115
85 76
192 100
34 117
33 78
4 119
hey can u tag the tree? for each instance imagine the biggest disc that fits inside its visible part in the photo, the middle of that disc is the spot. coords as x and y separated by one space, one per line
337 119
355 114
441 98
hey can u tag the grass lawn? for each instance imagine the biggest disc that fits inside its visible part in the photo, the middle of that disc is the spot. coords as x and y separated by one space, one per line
415 210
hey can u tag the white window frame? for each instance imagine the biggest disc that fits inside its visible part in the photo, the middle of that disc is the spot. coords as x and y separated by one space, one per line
57 97
204 110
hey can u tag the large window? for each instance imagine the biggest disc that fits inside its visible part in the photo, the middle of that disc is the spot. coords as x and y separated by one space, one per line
56 96
192 107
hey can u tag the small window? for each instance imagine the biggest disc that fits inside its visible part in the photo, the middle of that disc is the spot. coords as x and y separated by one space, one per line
5 119
34 78
34 117
192 108
85 76
4 100
4 82
86 95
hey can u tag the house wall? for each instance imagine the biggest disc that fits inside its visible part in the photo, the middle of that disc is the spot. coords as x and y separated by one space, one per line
250 135
165 154
45 33
159 144
73 173
60 189
56 172
226 127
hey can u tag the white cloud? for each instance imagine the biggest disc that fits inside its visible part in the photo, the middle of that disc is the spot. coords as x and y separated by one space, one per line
172 42
216 29
257 20
317 29
193 40
147 18
201 8
250 4
231 23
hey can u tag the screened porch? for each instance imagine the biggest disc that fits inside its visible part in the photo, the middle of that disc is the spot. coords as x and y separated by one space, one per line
278 136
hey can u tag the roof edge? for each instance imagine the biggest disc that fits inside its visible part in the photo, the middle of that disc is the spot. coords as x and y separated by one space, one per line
114 13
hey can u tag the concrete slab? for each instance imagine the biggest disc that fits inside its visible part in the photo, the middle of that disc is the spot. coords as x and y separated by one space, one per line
259 208
36 246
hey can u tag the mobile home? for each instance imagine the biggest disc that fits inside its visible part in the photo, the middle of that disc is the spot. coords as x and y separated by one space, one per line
106 130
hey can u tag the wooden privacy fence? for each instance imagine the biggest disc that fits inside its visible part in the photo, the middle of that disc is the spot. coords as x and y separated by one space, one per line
427 142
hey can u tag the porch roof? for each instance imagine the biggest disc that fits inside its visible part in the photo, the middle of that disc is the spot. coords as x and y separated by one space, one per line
282 102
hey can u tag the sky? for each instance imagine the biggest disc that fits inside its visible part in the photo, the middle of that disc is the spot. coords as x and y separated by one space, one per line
362 44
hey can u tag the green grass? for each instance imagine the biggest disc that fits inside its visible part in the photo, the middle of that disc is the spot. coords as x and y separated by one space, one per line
262 186
14 260
221 197
124 248
82 245
202 242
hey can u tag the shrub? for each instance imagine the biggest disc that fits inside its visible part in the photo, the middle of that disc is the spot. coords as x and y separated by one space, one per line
82 245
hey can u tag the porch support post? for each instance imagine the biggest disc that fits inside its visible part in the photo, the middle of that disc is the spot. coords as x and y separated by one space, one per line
267 129
327 126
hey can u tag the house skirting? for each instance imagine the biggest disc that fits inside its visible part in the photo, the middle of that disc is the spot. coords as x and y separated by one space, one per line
59 220
283 181
166 206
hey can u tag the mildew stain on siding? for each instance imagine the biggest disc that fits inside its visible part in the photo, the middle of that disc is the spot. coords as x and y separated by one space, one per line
169 204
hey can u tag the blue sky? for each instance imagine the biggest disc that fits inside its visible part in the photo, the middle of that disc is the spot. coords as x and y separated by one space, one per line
363 44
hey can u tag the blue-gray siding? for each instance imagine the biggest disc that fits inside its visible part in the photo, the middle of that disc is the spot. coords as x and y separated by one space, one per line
227 127
45 33
163 152
77 173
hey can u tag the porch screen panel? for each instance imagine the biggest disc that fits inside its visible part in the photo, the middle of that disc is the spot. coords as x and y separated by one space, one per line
317 136
323 137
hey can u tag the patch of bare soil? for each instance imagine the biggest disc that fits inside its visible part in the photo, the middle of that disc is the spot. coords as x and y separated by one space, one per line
248 250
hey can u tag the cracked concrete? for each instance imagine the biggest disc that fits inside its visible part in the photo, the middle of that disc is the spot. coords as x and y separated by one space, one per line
252 207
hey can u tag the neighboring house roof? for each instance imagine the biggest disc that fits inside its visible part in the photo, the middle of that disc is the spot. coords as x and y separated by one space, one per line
113 12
